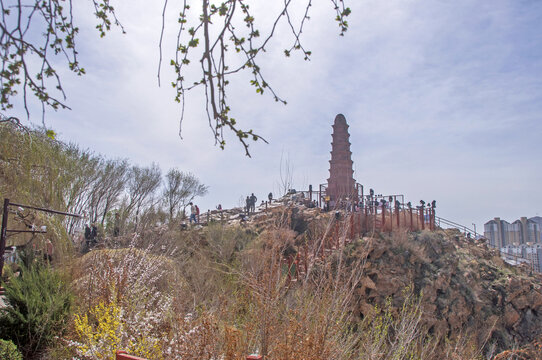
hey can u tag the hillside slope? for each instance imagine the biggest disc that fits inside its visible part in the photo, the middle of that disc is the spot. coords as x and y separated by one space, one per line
467 290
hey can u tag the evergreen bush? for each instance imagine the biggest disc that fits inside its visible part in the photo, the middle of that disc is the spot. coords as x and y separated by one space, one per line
38 307
8 351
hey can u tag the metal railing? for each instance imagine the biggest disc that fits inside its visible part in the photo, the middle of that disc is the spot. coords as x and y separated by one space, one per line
511 258
441 221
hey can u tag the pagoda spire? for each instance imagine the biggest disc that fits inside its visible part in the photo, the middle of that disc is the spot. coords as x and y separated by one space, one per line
341 183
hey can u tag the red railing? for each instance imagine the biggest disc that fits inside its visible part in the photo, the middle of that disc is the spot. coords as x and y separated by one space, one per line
122 355
383 219
347 226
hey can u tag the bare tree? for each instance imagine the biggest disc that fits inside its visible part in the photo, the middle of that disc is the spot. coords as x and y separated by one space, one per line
107 189
286 173
115 177
83 166
143 182
180 189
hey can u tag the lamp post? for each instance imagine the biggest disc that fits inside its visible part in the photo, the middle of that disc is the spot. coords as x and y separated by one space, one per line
4 230
3 234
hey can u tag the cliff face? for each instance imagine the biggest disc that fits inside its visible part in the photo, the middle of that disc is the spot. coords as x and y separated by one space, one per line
466 289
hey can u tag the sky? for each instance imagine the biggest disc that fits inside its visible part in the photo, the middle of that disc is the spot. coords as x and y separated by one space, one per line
443 99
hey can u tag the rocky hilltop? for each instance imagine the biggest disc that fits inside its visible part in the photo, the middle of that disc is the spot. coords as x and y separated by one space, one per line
466 289
466 293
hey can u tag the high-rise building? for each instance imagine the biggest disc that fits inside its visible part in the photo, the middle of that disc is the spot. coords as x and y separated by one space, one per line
522 231
538 220
497 232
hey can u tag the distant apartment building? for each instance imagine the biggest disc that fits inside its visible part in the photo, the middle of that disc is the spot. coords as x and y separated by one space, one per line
538 220
526 254
501 233
496 231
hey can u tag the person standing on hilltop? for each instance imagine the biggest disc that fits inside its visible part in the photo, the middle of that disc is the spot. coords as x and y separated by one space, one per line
94 234
253 200
48 253
87 234
248 207
219 208
192 213
197 214
270 197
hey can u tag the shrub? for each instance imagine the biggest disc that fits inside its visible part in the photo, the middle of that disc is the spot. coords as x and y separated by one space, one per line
125 299
385 336
225 242
39 303
8 351
103 331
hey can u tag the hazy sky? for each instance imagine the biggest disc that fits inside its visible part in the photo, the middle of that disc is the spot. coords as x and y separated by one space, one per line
443 99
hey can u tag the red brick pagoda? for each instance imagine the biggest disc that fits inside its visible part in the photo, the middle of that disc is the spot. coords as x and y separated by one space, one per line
341 183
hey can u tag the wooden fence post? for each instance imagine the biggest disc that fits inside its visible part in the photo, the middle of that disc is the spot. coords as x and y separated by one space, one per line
366 220
383 225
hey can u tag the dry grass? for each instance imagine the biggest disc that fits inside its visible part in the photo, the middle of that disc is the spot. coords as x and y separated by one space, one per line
225 293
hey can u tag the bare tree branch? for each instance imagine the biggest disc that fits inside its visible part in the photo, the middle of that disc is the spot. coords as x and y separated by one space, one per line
28 62
219 37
